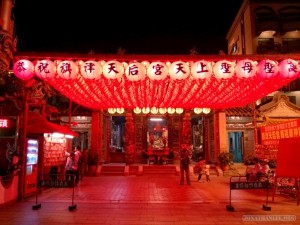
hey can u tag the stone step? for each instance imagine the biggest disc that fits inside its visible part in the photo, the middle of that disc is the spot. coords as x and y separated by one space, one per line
112 170
163 169
121 170
133 170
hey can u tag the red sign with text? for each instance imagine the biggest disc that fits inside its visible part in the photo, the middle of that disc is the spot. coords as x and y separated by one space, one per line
8 127
271 134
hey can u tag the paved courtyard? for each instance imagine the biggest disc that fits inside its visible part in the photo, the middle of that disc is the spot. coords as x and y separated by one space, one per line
150 200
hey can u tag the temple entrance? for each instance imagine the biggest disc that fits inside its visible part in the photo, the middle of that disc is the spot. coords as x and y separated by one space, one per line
197 138
236 145
117 139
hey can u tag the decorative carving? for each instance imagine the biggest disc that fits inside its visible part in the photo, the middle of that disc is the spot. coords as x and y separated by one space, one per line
7 47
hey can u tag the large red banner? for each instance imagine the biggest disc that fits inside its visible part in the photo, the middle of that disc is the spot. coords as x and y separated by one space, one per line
288 159
271 134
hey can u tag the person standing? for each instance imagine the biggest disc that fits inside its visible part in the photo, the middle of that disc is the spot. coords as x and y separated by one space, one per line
206 171
78 159
184 166
71 168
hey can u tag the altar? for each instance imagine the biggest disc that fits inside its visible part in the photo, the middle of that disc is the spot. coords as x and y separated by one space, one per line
158 155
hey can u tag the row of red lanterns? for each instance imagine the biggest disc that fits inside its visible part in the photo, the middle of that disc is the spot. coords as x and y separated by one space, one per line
135 71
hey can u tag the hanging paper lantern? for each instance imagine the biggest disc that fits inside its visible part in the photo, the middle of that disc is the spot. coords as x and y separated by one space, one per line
201 69
67 69
111 110
120 110
137 110
135 71
197 110
113 69
90 69
171 110
179 110
223 69
267 68
206 110
179 70
162 110
45 69
23 69
154 110
288 68
245 68
145 110
157 71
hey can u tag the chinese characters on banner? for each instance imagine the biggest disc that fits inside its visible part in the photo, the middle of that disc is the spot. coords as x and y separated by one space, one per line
271 134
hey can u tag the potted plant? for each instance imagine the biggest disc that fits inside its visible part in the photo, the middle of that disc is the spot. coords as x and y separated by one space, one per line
250 159
226 160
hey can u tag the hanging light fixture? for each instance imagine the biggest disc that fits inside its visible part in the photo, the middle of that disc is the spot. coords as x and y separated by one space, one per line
120 110
154 110
197 110
145 110
171 110
137 110
179 110
111 110
206 110
162 110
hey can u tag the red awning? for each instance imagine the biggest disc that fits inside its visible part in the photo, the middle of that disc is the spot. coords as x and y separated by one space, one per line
37 124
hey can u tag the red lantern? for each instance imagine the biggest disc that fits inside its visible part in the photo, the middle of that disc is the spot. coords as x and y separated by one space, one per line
245 68
201 69
135 71
23 69
157 71
179 70
45 69
90 69
67 69
288 68
113 69
267 68
223 69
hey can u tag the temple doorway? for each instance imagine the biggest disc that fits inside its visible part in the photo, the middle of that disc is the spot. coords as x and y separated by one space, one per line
235 140
117 139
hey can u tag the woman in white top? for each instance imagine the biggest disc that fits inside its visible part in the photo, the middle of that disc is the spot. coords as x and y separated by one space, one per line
264 170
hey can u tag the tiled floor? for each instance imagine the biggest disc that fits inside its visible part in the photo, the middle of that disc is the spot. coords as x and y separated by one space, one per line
150 200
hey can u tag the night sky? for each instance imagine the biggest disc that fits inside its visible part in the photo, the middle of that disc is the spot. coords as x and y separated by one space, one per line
147 27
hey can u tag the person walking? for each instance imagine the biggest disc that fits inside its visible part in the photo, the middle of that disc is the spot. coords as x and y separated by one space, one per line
184 166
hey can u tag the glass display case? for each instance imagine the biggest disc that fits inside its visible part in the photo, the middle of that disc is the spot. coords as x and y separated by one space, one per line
32 151
31 167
